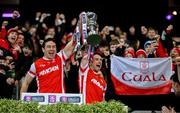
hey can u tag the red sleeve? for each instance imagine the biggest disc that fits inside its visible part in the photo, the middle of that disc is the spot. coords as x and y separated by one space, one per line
4 44
160 51
3 33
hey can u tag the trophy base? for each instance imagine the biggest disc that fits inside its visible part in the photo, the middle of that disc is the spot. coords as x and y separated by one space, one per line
94 40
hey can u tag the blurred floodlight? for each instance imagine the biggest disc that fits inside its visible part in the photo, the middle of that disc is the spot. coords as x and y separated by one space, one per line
174 12
169 17
7 15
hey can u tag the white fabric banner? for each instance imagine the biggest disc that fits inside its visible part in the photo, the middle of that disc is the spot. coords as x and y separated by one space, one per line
137 76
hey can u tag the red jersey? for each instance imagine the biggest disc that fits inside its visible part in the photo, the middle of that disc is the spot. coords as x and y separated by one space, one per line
49 74
92 85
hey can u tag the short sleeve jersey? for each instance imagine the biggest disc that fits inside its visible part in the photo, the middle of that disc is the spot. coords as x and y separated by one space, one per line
92 85
49 73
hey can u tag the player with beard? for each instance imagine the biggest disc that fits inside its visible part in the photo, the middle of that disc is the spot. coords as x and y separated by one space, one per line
92 84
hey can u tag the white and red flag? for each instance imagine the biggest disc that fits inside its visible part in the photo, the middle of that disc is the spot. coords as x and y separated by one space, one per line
136 76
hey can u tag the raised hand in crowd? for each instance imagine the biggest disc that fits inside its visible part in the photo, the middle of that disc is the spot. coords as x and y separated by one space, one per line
16 14
60 18
38 15
5 23
43 16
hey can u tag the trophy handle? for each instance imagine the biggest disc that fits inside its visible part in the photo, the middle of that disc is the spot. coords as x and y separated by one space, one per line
83 28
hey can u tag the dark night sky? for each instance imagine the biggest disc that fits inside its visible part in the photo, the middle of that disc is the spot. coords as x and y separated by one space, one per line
111 12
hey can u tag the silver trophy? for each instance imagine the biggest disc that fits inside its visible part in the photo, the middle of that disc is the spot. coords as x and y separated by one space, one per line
86 34
93 37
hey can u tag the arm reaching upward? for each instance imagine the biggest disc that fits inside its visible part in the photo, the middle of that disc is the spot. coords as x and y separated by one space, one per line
84 61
